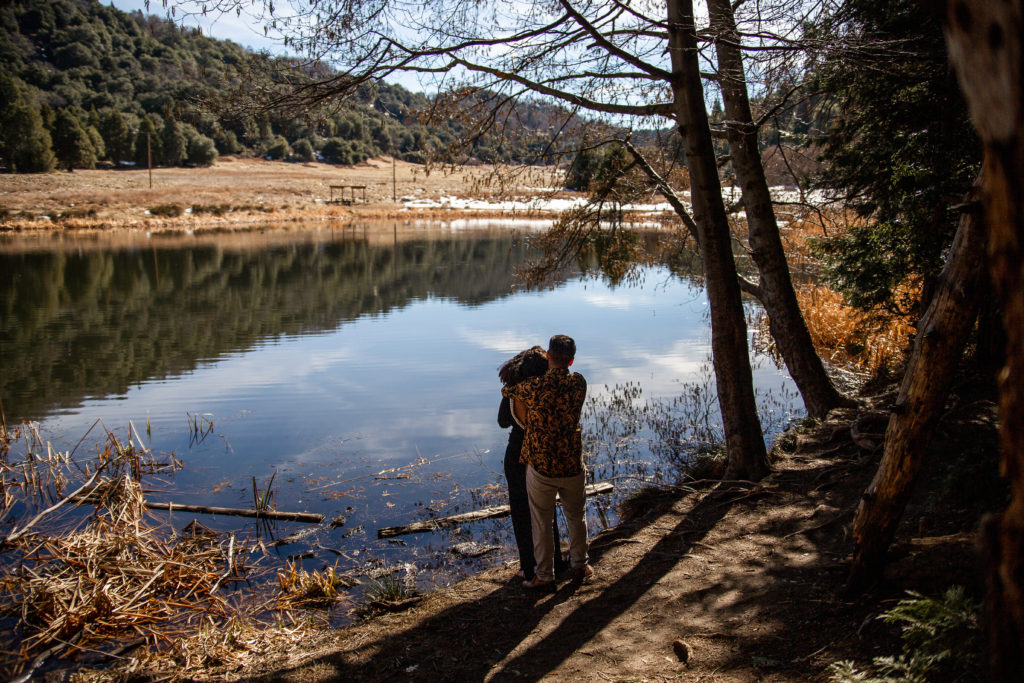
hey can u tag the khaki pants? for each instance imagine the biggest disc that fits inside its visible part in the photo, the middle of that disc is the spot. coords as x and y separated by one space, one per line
542 491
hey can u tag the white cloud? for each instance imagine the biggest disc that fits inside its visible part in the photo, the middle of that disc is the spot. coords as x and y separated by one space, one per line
503 341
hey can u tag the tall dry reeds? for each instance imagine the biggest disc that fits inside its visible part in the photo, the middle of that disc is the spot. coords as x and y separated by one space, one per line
88 575
845 337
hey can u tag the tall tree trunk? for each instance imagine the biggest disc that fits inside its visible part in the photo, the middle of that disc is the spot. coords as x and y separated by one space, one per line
942 334
786 322
987 49
743 436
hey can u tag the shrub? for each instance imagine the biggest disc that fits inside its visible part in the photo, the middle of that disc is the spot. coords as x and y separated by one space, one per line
227 142
89 212
214 209
323 587
278 148
337 151
201 151
303 150
581 171
166 210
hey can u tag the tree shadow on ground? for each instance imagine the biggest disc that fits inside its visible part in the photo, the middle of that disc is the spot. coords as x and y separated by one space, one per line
472 638
790 612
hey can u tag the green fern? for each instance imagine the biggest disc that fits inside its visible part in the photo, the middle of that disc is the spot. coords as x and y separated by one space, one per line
940 642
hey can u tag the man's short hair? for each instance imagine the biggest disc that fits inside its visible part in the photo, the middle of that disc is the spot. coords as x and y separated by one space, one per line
562 347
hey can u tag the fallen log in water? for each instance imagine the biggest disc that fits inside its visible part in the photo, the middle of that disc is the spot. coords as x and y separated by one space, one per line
309 517
90 494
599 488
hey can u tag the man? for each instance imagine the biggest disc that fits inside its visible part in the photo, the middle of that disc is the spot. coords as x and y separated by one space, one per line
553 453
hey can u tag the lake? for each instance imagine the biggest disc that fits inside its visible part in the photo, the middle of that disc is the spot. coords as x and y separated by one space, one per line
355 368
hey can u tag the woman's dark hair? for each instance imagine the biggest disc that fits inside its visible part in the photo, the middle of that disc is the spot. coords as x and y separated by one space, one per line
532 362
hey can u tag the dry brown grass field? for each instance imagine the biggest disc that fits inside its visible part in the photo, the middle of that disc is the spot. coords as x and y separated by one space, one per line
239 191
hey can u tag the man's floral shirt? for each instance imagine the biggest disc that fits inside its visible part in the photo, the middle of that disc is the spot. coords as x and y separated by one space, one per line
554 401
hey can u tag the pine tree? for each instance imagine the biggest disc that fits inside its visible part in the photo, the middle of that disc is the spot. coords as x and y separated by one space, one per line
71 142
173 143
49 116
24 140
99 148
899 148
117 136
27 145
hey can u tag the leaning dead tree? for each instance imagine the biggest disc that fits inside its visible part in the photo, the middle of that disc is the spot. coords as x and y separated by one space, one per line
986 45
942 335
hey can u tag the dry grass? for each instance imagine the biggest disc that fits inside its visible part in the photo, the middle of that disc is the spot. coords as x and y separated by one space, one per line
299 587
238 192
869 342
102 584
846 337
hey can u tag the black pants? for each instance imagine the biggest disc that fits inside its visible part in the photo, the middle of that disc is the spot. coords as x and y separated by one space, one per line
519 503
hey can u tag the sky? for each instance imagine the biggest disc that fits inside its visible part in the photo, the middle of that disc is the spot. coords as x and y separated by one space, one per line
239 29
226 27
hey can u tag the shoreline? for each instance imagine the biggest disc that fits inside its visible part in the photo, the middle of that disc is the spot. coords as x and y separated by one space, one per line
250 194
245 193
328 214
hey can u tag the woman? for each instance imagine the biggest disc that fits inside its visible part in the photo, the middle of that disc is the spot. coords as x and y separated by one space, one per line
532 362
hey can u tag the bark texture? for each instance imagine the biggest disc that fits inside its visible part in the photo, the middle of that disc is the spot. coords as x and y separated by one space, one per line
987 50
776 293
744 439
942 334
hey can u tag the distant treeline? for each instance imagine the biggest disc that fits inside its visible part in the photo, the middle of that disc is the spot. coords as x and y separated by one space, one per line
83 84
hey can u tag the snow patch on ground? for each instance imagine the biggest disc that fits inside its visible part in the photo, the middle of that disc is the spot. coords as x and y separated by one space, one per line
559 204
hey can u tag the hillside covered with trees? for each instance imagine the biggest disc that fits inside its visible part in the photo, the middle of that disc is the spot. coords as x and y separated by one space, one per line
84 84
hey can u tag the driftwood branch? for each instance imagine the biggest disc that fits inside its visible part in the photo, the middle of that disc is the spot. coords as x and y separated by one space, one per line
309 517
85 495
474 516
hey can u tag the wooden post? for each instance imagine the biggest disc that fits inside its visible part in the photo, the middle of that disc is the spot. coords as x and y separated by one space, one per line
149 160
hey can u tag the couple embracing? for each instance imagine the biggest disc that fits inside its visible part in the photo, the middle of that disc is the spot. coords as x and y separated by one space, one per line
542 401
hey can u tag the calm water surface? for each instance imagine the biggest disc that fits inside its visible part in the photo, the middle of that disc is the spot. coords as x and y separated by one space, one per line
356 365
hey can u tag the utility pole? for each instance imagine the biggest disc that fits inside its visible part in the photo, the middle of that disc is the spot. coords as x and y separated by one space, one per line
391 143
149 160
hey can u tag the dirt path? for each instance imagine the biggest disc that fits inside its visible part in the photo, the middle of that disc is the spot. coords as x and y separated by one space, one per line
750 578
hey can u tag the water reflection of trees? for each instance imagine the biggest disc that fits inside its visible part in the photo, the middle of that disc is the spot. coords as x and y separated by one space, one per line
93 321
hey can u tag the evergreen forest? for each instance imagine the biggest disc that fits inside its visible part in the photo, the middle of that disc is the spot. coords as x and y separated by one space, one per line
85 85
